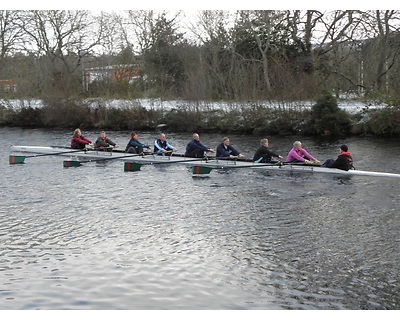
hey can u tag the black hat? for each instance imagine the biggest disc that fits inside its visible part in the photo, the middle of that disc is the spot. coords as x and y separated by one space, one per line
344 148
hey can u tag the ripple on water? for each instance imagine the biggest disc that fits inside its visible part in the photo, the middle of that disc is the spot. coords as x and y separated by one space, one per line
96 237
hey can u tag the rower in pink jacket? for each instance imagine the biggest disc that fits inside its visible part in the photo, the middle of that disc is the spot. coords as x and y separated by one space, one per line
298 154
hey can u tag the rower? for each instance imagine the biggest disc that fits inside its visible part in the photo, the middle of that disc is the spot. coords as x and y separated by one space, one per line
299 154
226 150
103 143
134 145
162 146
195 149
263 154
78 141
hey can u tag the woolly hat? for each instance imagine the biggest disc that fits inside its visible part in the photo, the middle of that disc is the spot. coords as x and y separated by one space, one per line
344 148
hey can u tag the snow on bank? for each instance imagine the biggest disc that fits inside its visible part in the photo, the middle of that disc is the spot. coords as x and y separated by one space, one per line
352 106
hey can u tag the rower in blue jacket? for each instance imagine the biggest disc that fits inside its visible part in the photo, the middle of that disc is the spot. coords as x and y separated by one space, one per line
134 145
195 149
162 146
225 150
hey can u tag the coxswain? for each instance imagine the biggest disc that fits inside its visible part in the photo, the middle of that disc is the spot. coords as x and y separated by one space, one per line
344 160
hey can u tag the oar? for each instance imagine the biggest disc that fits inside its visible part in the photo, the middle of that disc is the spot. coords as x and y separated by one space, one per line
94 149
310 164
20 159
207 170
76 163
128 164
235 158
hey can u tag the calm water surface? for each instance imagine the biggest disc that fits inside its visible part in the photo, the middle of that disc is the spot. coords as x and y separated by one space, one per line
96 237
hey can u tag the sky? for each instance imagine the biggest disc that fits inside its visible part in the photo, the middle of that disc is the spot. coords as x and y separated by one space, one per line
196 5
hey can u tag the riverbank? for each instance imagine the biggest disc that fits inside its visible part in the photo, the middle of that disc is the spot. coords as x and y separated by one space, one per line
277 118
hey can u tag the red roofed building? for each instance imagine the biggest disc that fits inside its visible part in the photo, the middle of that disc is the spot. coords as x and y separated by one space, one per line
8 85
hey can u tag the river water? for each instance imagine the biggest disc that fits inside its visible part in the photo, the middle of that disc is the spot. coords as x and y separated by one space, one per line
96 237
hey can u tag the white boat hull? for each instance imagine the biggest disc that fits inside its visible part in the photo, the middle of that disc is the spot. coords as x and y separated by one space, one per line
210 163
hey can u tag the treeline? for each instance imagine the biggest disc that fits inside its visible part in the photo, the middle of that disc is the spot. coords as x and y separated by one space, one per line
217 55
324 119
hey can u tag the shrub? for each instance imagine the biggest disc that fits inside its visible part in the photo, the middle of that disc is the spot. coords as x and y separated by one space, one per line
66 114
127 118
384 122
183 119
327 119
26 117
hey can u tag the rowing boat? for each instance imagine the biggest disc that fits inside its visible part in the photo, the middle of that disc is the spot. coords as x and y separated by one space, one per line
207 163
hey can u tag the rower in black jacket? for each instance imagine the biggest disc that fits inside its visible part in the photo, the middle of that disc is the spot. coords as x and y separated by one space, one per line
263 154
344 160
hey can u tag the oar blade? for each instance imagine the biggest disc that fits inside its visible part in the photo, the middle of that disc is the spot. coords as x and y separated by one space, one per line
201 170
16 159
71 163
132 166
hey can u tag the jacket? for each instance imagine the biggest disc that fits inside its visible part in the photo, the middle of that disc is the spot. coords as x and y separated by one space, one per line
135 143
195 145
264 154
160 145
79 143
225 152
301 155
344 161
103 143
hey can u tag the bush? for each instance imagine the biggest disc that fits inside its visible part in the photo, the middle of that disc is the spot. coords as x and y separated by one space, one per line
384 122
26 117
66 113
272 120
327 119
127 118
184 120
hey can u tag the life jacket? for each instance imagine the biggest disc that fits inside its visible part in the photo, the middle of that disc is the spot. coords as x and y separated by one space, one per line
100 146
349 160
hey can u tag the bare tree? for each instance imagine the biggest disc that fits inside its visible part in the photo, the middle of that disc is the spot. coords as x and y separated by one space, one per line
61 39
10 33
336 45
302 27
158 39
217 63
268 29
145 27
383 47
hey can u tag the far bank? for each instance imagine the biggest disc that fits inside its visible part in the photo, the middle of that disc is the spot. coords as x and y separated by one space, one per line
324 118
